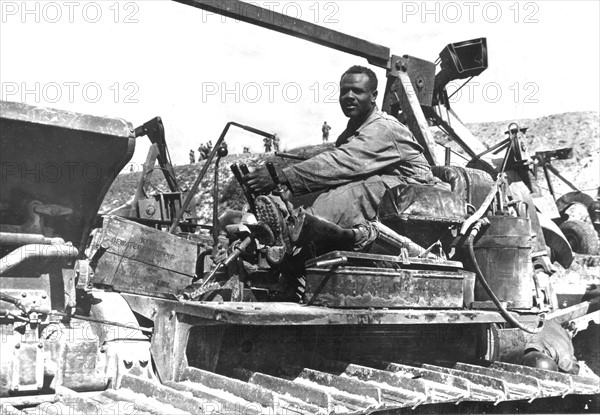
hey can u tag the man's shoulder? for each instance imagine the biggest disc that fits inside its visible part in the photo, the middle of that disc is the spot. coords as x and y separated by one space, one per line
380 118
385 117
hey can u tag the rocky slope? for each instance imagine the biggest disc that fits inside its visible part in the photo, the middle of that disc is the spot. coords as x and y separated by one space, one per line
579 130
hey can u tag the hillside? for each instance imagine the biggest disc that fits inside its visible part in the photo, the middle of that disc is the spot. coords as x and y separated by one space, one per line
579 130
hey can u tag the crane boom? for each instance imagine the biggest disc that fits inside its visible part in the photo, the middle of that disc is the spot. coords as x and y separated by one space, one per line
375 54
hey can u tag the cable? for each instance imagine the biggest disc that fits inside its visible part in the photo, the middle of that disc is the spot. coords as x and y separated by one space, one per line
581 190
507 316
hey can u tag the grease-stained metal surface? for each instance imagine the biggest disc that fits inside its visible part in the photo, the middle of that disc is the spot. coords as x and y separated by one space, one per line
134 258
65 119
503 251
355 287
298 314
56 169
363 280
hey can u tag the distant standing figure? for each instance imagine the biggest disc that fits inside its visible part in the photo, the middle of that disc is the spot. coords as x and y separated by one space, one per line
192 157
246 150
267 142
325 129
275 142
202 152
209 147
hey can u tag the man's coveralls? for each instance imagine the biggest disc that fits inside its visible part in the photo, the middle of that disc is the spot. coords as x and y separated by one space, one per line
368 159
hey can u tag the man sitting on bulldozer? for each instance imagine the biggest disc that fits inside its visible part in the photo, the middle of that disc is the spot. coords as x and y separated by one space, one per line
374 153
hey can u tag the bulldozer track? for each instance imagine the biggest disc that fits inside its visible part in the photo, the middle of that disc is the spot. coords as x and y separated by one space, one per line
339 388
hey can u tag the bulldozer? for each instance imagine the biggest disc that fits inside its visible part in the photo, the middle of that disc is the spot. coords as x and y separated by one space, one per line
145 310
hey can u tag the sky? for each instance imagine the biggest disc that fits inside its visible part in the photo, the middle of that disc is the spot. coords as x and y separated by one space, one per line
139 59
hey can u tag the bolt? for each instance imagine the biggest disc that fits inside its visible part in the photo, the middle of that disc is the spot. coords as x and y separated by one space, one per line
23 295
18 346
41 345
420 83
143 363
102 349
16 387
44 296
400 66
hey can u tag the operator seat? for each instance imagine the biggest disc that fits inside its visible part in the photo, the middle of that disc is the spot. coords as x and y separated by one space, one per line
471 184
424 213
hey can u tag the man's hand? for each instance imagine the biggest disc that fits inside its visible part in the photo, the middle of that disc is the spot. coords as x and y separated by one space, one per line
260 180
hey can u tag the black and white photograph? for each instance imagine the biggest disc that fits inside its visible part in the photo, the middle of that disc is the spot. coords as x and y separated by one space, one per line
299 207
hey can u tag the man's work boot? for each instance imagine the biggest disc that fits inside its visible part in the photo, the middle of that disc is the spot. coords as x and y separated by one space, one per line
301 228
269 213
307 228
369 236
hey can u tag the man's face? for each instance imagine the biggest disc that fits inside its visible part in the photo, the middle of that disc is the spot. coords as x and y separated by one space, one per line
356 98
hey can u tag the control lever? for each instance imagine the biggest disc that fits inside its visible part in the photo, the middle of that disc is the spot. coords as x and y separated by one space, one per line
244 169
273 173
247 192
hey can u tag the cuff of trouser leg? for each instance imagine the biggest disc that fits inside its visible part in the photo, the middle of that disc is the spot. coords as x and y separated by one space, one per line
283 178
364 235
293 182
